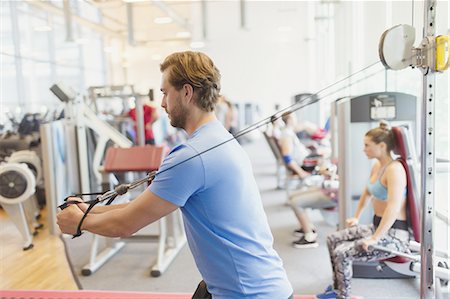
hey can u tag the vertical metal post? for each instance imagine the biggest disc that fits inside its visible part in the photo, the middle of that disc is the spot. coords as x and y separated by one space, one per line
140 123
385 80
427 283
68 21
83 156
204 20
130 25
243 15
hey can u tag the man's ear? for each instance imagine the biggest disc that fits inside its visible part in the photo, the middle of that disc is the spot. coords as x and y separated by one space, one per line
188 92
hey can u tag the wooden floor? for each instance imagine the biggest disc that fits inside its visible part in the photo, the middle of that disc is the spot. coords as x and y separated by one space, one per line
44 267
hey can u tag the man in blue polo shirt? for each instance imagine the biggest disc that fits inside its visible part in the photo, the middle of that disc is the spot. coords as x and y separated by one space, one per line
210 179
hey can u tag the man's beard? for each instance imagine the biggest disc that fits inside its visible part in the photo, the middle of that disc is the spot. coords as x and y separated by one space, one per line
178 115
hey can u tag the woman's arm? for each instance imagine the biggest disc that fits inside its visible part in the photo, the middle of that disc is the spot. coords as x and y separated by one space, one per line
363 199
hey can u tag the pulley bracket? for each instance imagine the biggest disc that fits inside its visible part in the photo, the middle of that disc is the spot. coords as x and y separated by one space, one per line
396 50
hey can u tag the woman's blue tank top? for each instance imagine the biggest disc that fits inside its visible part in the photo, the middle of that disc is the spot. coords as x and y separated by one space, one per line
377 189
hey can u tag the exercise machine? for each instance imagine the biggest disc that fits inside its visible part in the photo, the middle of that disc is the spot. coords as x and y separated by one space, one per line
170 237
95 168
17 187
353 117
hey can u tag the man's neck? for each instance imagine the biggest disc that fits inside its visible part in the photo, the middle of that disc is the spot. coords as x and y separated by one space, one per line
198 119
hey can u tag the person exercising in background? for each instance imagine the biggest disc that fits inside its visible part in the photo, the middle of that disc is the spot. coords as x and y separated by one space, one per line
386 187
293 151
150 116
226 226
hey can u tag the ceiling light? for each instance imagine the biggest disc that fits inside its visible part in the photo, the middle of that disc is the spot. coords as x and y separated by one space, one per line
197 45
183 34
44 28
162 20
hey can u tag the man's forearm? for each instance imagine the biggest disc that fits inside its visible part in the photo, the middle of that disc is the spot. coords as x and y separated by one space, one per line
107 223
103 209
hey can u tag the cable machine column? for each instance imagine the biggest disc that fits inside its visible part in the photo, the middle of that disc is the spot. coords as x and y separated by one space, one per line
428 160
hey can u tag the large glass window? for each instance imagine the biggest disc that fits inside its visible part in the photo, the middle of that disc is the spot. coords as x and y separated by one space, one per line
35 54
8 74
8 88
93 61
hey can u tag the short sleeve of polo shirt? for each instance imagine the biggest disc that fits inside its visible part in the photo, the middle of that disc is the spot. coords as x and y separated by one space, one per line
176 181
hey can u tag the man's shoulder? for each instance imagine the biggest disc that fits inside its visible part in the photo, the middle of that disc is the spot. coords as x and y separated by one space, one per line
181 157
182 150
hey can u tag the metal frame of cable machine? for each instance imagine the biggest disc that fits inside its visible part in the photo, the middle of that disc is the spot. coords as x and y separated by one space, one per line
397 52
428 162
431 57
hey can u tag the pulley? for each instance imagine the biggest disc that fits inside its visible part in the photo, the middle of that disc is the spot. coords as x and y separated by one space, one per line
17 183
396 50
395 47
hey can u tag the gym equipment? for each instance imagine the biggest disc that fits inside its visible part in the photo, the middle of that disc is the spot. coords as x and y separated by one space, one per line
431 56
399 265
89 294
171 237
281 172
32 160
17 187
328 186
309 113
292 181
104 97
60 166
397 52
119 159
403 264
352 117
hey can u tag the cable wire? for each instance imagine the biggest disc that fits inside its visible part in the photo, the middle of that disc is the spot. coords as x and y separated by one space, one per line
290 109
310 99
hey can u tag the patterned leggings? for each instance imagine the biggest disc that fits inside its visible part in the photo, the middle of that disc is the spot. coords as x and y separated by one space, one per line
345 246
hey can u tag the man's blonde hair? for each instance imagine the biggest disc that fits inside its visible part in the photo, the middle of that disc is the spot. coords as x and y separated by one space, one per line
197 70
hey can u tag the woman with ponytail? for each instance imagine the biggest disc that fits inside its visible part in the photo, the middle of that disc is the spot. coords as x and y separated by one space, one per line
386 188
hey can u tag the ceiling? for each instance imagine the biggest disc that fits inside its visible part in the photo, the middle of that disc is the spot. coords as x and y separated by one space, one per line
151 21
